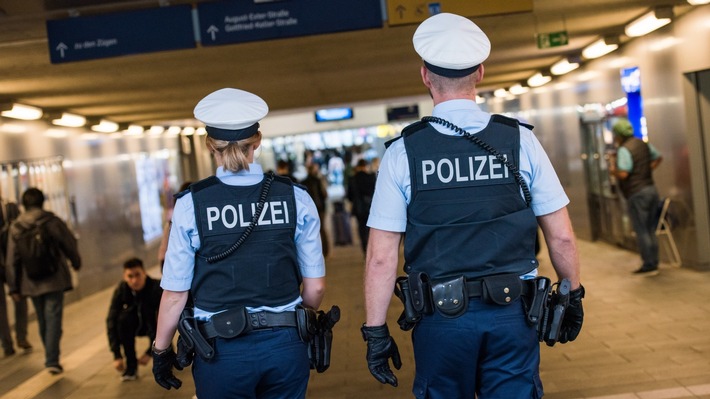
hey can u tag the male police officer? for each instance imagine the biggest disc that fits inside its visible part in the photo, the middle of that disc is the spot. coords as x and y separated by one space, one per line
469 233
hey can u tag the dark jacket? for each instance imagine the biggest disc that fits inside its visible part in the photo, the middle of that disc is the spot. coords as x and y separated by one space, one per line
62 237
144 304
361 188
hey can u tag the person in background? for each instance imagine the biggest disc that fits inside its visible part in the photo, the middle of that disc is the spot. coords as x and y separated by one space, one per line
464 233
133 312
315 186
361 188
633 167
47 294
283 169
8 213
236 274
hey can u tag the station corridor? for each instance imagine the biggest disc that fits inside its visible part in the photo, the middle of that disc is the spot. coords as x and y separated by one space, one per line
643 337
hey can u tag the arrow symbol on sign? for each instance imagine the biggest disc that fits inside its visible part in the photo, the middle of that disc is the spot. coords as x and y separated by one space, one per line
400 9
61 47
212 30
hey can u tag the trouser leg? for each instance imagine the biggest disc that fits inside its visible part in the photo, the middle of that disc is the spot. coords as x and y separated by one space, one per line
5 334
127 326
21 321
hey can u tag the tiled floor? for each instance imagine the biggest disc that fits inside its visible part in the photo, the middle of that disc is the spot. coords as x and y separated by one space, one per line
643 338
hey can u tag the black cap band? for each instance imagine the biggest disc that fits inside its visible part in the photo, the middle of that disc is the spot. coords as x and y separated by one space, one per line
232 135
451 73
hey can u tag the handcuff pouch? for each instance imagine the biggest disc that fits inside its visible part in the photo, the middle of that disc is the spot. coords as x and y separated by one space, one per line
450 296
230 323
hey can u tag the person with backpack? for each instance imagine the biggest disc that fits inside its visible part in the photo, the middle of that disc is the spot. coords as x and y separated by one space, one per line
38 249
9 212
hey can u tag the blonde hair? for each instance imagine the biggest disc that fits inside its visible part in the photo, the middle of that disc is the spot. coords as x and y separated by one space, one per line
233 154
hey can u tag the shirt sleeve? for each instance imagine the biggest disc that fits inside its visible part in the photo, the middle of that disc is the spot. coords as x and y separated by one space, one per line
655 154
183 242
308 241
624 162
547 192
388 211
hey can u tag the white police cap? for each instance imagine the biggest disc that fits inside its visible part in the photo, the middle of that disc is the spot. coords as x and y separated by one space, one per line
231 114
451 45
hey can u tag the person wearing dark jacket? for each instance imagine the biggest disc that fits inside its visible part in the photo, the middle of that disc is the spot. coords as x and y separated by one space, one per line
361 188
47 293
133 312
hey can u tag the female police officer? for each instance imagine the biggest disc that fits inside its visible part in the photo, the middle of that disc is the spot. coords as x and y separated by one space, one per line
263 275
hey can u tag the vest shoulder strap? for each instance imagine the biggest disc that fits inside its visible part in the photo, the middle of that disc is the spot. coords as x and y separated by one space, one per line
497 118
201 185
407 131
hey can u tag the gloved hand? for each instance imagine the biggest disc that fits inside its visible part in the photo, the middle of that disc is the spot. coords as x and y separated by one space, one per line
574 315
380 348
163 363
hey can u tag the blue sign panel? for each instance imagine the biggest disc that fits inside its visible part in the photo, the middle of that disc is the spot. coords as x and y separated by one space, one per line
227 22
112 35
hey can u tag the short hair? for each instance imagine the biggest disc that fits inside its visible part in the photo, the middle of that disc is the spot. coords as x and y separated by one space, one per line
33 198
132 263
282 164
362 163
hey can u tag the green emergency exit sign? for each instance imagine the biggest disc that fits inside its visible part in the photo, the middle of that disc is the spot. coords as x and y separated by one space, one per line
552 39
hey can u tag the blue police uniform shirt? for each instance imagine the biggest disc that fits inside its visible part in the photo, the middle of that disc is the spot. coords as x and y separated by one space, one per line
625 162
184 239
393 188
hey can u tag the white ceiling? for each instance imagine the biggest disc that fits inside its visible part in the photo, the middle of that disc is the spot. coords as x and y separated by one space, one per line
294 73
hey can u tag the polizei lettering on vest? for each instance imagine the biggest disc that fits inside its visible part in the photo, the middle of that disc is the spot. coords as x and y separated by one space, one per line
473 168
231 216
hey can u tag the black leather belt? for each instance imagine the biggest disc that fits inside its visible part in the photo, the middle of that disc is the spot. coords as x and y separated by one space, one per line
255 321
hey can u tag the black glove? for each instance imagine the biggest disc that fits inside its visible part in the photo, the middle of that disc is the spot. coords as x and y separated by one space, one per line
574 315
381 347
163 363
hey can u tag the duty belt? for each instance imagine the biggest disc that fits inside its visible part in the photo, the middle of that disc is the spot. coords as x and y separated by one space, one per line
255 321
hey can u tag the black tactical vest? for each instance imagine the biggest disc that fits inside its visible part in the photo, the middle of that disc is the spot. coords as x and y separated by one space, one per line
466 215
640 175
264 270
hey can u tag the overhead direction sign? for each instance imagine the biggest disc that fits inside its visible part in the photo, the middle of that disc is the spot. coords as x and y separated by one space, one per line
552 39
226 22
112 35
401 12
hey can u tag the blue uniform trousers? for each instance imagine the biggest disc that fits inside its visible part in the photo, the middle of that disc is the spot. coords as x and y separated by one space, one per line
263 364
490 352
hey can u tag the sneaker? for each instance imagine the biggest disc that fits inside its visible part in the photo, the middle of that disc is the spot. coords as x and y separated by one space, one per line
54 370
129 376
647 271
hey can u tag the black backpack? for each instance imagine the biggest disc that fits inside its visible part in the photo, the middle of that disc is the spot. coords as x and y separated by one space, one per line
37 250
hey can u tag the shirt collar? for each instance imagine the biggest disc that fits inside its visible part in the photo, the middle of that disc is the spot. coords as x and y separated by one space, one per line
244 177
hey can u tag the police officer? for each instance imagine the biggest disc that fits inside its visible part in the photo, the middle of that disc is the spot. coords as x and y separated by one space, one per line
465 219
278 266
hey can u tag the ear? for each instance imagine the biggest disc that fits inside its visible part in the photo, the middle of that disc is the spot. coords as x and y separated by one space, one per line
480 71
425 76
257 144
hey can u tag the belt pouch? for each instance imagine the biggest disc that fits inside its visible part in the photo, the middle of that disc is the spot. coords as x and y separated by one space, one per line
230 323
187 326
450 296
405 295
420 289
306 319
503 289
536 304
